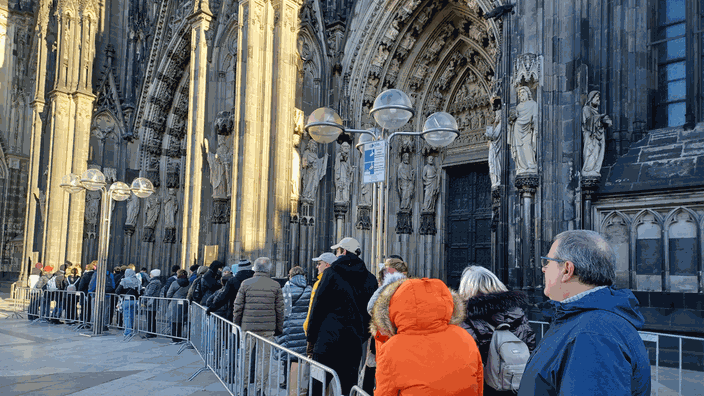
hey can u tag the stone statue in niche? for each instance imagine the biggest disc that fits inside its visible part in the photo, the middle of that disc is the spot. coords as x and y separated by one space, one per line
406 182
523 123
365 198
593 135
431 185
313 171
343 174
220 168
92 207
151 211
170 209
132 210
493 133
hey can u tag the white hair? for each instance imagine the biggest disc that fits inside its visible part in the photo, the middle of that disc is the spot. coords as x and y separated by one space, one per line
262 264
479 280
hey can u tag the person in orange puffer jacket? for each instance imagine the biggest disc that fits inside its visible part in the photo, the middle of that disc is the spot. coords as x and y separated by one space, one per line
425 352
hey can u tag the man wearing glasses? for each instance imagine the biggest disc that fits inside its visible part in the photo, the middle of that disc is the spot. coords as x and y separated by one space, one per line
593 346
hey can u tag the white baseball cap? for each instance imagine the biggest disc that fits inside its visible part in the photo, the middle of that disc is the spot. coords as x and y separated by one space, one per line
326 257
349 244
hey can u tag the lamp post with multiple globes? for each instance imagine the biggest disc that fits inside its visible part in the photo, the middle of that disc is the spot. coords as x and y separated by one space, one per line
392 109
94 180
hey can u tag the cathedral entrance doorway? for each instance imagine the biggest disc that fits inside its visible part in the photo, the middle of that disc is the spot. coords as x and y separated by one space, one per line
468 220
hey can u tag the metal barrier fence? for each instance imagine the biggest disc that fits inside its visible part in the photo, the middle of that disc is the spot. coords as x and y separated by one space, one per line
357 391
21 297
167 317
666 352
264 370
224 339
54 305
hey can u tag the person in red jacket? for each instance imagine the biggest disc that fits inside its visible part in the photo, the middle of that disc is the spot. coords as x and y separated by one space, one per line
426 353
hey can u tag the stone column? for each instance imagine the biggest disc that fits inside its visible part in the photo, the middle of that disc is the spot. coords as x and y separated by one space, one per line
527 185
282 111
589 187
340 212
200 22
428 230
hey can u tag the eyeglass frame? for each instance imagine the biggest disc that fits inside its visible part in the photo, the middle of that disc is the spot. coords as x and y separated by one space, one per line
549 259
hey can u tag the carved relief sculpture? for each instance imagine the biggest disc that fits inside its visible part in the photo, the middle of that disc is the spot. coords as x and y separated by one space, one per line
593 135
343 174
313 171
523 136
170 209
405 180
431 185
493 133
132 210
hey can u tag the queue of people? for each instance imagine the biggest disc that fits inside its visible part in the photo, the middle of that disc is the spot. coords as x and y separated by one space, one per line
393 333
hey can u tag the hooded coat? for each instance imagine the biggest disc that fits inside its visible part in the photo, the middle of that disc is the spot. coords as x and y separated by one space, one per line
591 348
495 309
426 352
178 310
296 298
227 297
85 281
209 284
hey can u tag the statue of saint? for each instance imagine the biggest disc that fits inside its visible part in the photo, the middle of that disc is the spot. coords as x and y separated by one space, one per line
132 210
593 135
152 210
313 171
431 185
343 174
493 133
220 168
92 207
170 209
523 133
405 180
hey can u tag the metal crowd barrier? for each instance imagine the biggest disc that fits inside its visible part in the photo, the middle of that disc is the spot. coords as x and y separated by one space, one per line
55 305
358 391
21 297
677 360
263 370
197 335
224 339
166 317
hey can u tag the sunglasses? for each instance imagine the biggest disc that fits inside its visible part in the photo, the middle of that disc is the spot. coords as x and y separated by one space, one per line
544 261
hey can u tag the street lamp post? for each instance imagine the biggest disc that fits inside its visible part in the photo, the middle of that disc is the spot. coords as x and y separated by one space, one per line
392 110
94 180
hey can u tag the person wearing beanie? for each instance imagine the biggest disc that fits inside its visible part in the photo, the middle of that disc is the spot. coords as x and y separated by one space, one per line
210 282
194 273
227 297
152 290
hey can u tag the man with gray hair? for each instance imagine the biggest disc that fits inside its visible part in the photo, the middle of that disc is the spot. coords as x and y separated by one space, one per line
593 346
259 308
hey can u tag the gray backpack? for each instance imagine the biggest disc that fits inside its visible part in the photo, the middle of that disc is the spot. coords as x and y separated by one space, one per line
506 360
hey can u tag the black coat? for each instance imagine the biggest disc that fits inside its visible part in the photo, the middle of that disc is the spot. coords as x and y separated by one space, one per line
495 309
338 323
227 297
209 284
85 281
167 284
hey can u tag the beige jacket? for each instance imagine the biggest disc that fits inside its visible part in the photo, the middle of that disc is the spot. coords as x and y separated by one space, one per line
259 306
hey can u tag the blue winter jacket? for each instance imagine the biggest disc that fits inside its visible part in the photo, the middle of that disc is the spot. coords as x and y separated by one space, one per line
296 298
109 283
592 348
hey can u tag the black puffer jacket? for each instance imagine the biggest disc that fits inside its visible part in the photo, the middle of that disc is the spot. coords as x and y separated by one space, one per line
296 298
209 284
85 281
221 311
495 309
227 297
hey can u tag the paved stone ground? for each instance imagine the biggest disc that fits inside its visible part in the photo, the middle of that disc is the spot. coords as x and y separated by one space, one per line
52 360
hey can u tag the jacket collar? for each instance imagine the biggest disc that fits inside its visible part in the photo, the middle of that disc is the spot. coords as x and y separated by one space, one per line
488 304
266 274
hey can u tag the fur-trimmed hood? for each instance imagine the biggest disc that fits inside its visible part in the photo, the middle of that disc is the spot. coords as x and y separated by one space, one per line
486 305
419 306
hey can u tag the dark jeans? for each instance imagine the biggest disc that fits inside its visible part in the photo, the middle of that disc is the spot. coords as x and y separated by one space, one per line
346 368
151 321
